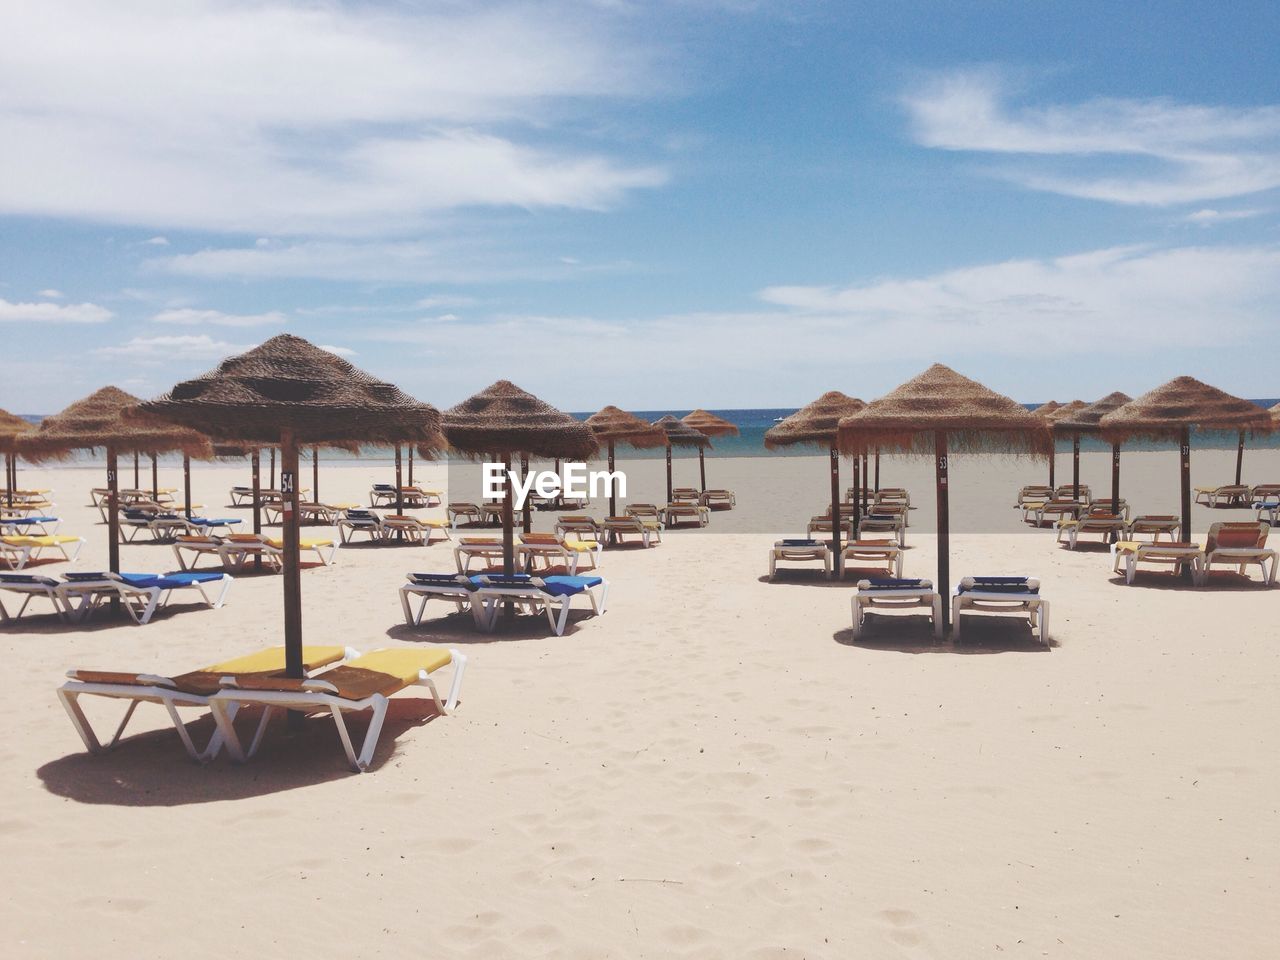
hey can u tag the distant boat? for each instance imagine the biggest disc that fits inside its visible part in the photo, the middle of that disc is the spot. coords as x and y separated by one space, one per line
778 419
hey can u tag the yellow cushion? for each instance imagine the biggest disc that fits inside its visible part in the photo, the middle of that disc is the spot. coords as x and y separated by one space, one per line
49 541
403 663
272 658
1127 546
581 546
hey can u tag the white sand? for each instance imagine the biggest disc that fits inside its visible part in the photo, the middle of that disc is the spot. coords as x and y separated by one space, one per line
711 769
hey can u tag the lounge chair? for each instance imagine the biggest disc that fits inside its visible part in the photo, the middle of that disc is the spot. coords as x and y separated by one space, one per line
17 552
617 529
365 683
414 529
546 554
549 595
1268 513
359 521
239 495
26 508
417 497
1001 595
898 496
799 550
889 508
198 545
239 548
30 587
685 495
1033 494
1053 510
883 523
460 513
183 690
1181 555
163 527
1107 525
458 589
1239 545
684 514
644 511
1228 495
1267 494
887 553
890 594
141 594
822 524
1153 525
29 526
207 525
1067 491
487 550
580 526
719 499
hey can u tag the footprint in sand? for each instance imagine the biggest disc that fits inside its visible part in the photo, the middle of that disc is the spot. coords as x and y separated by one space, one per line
900 923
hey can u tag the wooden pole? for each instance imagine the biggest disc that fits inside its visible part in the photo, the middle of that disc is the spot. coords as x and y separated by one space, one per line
508 534
866 482
1186 484
10 476
668 473
856 498
292 572
186 485
1239 457
1075 466
526 518
613 485
271 477
877 469
137 477
702 469
411 464
1053 460
255 463
835 509
399 493
944 527
1115 478
113 521
315 474
155 478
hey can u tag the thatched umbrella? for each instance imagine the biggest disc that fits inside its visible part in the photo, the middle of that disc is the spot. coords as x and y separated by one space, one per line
1061 421
1046 410
706 422
1275 415
940 411
11 427
501 421
818 425
611 426
109 419
679 435
1086 421
1059 411
1173 411
290 392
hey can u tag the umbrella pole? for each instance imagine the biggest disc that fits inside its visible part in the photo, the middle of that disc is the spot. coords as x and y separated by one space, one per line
113 522
526 521
1239 457
399 493
1075 466
668 473
558 502
857 500
1115 485
613 485
186 485
10 475
1186 488
508 536
155 478
877 469
702 469
866 482
271 477
944 527
315 474
411 464
255 463
1053 461
137 477
292 573
835 510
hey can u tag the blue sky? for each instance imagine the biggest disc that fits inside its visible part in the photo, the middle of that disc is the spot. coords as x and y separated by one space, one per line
673 203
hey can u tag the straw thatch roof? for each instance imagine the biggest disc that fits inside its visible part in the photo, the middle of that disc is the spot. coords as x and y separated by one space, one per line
1047 408
680 434
1086 419
1184 402
108 418
503 419
1066 410
1275 412
973 418
706 422
290 384
11 427
818 423
612 425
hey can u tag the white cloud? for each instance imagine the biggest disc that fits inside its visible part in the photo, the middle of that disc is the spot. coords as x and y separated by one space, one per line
51 294
157 242
445 300
1207 217
164 349
53 313
187 316
1154 152
304 117
340 351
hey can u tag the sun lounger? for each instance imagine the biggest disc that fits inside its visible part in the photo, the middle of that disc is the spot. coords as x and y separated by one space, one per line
889 509
414 529
1228 495
1054 510
183 690
896 496
644 511
18 551
719 499
1267 494
460 513
238 549
1180 555
546 554
1108 525
487 550
1067 491
359 521
886 553
197 545
685 495
549 595
207 525
29 587
417 497
141 594
163 527
617 529
888 594
577 526
684 514
1268 513
1033 494
1001 595
28 507
883 523
1239 545
1154 525
365 683
820 525
239 495
29 526
799 551
458 589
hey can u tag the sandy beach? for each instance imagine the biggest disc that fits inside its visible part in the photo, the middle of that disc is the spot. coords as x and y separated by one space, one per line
713 768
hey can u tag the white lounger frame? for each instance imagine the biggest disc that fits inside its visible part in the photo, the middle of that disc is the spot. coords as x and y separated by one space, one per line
799 553
1034 607
459 595
869 599
533 598
140 602
48 589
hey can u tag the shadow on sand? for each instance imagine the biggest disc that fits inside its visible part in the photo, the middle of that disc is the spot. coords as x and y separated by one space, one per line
914 634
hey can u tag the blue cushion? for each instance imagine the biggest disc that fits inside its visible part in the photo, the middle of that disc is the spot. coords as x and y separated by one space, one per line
86 575
27 578
29 521
802 543
384 486
219 522
442 580
894 583
998 585
567 586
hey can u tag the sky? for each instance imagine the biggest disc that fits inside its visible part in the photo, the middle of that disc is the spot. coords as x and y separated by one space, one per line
664 204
